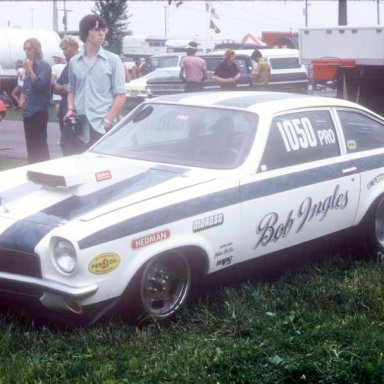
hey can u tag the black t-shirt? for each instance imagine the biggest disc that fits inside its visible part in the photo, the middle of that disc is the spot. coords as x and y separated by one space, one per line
226 71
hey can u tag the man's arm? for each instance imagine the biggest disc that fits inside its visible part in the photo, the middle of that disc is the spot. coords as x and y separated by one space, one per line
115 111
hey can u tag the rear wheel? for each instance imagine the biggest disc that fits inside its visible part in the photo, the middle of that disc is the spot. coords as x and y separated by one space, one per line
378 246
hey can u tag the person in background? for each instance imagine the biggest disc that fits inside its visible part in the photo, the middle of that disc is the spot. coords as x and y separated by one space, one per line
35 101
135 70
193 69
16 92
227 74
96 91
146 67
262 73
59 64
70 48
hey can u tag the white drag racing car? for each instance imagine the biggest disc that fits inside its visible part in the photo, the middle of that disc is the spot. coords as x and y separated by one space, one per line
188 185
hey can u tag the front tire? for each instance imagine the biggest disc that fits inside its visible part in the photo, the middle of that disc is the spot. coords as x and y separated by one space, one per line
165 283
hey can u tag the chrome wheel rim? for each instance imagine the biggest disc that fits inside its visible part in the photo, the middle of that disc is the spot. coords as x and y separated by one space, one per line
165 285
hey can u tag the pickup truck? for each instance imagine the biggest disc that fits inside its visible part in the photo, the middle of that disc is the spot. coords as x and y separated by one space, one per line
287 74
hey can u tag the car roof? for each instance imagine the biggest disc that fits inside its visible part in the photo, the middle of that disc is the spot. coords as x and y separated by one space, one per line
270 52
254 100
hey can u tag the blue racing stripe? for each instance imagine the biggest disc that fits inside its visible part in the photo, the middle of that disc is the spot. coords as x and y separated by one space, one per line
218 200
25 234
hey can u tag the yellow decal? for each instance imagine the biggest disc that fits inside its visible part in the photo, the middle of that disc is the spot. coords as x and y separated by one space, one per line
351 145
104 263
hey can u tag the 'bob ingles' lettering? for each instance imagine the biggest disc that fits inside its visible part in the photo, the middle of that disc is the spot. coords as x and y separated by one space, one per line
270 228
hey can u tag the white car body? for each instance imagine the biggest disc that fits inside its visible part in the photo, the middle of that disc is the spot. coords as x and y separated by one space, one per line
136 89
121 207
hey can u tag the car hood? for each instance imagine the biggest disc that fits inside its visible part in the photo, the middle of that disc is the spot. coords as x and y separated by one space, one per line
87 186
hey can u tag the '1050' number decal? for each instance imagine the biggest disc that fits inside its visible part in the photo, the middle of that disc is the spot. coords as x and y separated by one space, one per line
299 134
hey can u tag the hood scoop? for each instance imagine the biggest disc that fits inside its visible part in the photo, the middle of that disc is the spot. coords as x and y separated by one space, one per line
54 180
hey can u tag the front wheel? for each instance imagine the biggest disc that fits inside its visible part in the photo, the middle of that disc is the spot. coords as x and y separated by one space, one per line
164 285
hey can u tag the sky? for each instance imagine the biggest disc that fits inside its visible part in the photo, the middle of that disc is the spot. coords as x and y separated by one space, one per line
234 19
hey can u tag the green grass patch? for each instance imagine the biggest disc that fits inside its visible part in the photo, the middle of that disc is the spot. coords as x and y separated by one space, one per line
325 325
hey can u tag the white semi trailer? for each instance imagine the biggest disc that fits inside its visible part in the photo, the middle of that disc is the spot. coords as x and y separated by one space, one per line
353 56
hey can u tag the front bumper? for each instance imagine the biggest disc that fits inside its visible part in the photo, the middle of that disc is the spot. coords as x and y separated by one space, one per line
52 295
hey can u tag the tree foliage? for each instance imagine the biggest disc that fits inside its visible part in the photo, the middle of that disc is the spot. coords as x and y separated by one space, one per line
114 12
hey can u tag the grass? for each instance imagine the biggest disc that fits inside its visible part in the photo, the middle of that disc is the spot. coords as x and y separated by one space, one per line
320 326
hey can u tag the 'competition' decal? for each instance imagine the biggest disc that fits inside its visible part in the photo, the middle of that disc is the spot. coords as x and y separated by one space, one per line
376 180
271 228
208 222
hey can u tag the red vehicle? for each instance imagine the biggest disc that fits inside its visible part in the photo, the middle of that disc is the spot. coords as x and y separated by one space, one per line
3 110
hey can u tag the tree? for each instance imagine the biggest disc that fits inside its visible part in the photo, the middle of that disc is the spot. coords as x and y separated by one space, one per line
114 12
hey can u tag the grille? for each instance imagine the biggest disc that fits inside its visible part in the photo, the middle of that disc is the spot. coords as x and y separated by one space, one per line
21 263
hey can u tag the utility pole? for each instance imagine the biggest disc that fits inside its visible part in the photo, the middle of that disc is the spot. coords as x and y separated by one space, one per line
55 16
343 12
165 20
32 9
378 11
65 17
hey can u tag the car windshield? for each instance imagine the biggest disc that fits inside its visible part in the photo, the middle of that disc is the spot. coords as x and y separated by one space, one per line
182 135
165 61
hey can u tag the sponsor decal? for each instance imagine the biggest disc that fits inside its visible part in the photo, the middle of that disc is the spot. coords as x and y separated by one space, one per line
104 263
299 134
351 145
103 175
208 222
272 228
224 255
150 239
224 262
376 180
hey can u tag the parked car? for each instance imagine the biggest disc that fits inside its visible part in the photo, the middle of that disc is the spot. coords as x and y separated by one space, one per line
136 89
188 185
287 74
3 110
166 60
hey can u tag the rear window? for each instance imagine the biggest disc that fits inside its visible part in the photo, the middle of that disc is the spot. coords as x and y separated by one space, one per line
166 61
284 62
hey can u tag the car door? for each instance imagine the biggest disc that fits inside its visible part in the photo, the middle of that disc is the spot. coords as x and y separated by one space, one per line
364 143
303 188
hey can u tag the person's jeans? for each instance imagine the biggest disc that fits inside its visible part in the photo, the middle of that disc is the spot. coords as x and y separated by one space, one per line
35 130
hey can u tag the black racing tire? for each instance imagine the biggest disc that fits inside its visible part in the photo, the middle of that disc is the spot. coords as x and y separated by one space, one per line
374 232
158 289
165 284
379 230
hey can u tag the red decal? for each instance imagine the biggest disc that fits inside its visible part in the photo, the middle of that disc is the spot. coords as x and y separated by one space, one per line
103 175
150 239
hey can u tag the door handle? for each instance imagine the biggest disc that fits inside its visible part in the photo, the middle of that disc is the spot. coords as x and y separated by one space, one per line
349 170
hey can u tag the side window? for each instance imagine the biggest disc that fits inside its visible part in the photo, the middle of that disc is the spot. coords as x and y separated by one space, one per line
300 137
361 132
